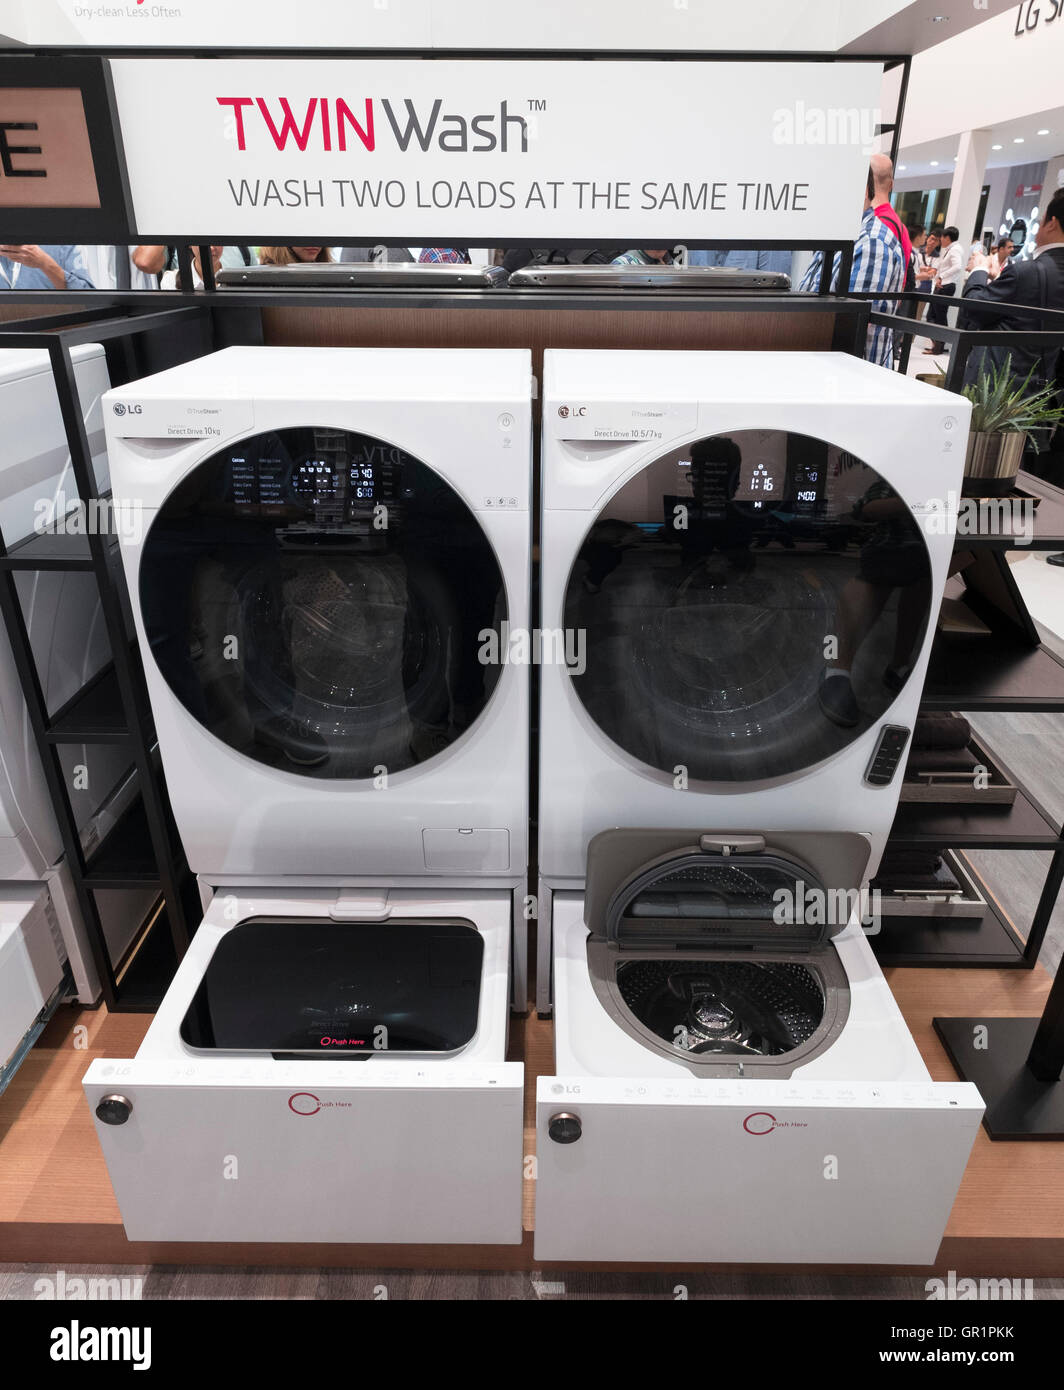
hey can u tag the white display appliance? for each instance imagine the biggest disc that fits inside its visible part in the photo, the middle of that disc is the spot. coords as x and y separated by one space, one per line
746 554
32 958
64 621
334 552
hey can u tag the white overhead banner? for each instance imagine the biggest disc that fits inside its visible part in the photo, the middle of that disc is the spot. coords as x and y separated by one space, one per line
645 153
558 25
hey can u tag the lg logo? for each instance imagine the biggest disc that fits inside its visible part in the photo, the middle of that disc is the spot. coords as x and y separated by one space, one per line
577 410
121 409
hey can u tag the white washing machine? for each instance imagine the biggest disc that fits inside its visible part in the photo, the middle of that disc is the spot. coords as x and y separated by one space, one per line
64 621
745 553
334 551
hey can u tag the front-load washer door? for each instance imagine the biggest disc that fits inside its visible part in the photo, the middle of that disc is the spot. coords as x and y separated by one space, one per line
253 1112
751 603
317 599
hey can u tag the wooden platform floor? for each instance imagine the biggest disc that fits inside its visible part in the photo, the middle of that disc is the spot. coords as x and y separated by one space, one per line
57 1207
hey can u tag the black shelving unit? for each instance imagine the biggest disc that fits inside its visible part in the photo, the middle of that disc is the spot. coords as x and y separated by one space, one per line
142 849
1007 670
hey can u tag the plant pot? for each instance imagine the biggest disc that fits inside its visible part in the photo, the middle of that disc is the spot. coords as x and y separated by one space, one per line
992 463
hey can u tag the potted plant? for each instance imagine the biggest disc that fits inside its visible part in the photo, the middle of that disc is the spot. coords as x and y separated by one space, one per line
1005 415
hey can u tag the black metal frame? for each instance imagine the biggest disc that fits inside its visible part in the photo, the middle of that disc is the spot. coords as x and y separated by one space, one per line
107 222
78 722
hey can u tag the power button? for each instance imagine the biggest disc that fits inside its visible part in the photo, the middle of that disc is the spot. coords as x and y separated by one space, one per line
950 422
506 421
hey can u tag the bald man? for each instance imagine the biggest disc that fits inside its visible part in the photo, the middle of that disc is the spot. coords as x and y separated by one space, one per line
878 267
883 181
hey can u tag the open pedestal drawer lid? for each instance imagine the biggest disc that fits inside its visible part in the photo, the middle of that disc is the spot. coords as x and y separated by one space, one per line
327 1066
718 953
322 988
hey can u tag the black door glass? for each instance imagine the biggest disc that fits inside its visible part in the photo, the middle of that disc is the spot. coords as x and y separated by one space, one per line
338 989
751 604
316 598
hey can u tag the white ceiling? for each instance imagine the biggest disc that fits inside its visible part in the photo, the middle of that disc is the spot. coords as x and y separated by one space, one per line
912 28
915 160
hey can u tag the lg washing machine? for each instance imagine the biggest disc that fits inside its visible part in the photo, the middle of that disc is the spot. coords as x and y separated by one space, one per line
333 546
743 559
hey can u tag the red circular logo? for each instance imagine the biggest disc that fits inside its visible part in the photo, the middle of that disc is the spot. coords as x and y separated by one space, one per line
760 1122
304 1103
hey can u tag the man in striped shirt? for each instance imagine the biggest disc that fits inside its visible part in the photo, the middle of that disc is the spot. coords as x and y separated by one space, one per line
878 267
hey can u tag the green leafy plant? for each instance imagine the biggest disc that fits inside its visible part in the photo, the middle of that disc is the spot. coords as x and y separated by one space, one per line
1000 406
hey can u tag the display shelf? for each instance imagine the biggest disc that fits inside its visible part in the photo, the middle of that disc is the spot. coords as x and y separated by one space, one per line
146 974
49 550
1021 825
113 706
94 715
998 672
125 858
942 941
1048 530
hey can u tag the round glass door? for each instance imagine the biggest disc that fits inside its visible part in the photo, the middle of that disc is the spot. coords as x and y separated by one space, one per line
317 600
749 605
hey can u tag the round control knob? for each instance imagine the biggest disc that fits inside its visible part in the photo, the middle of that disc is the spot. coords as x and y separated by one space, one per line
564 1128
114 1110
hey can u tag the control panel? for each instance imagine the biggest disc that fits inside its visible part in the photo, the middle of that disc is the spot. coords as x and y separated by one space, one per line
889 749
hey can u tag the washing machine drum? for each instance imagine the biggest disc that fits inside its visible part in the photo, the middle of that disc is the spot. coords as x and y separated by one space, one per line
714 960
317 599
718 588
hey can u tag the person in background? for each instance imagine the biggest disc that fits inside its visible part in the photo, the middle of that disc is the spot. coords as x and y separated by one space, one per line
294 255
663 256
949 275
364 255
1002 251
883 174
878 268
1036 280
743 260
909 308
43 268
444 255
517 257
171 279
156 260
113 268
917 240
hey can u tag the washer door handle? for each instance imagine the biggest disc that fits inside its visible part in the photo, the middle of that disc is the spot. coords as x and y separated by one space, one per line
734 844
